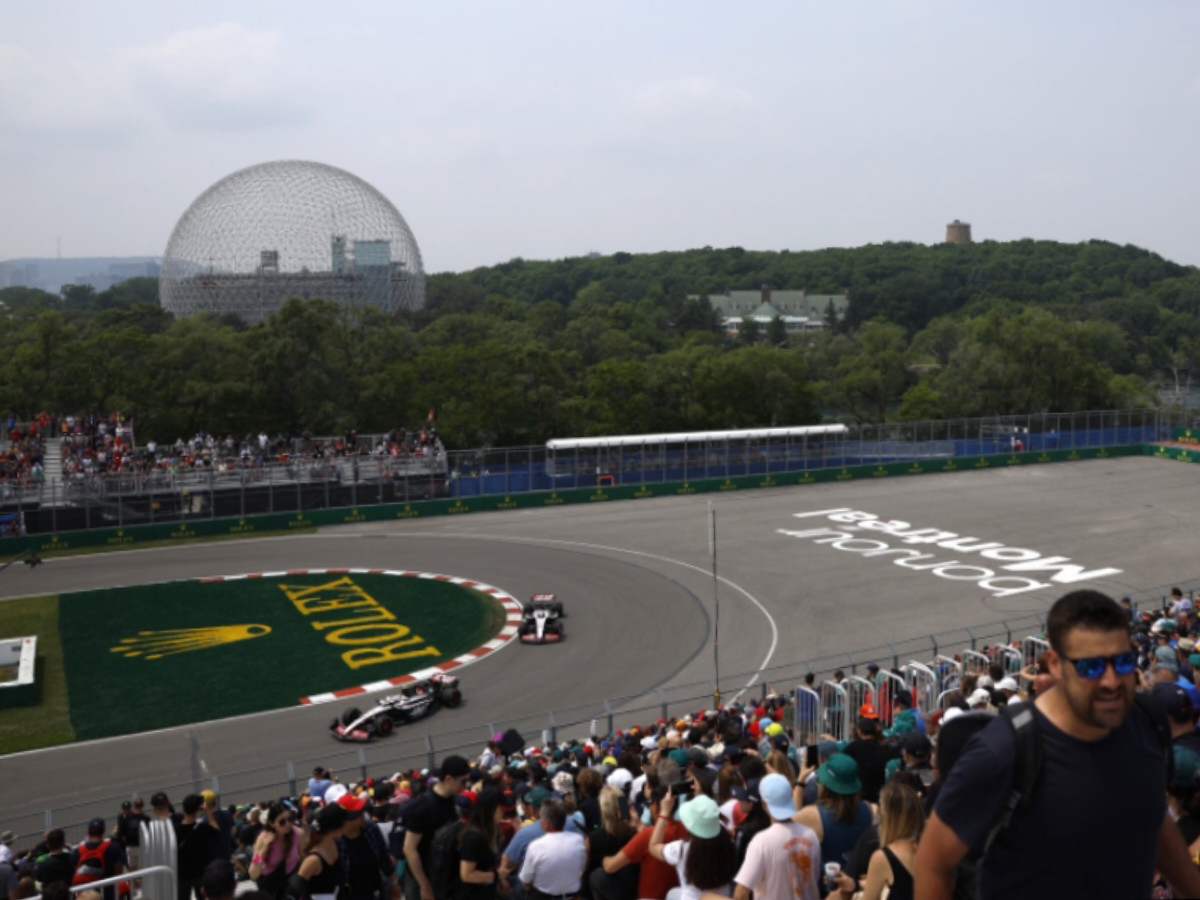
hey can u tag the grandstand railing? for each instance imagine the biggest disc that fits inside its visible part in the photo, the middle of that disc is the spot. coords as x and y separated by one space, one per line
357 481
595 717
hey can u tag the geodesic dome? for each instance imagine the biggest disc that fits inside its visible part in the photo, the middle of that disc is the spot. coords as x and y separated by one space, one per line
286 229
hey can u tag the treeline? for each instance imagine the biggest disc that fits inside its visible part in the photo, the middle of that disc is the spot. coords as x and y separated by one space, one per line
524 351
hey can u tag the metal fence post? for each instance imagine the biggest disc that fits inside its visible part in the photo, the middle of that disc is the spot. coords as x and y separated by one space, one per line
362 762
663 704
429 757
49 819
291 778
608 718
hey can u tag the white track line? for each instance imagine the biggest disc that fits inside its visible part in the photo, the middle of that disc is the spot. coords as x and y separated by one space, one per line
590 546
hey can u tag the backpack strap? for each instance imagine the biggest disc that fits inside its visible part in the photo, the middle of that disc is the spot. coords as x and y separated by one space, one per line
1027 764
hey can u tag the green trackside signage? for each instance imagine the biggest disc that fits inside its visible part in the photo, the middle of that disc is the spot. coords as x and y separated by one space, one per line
118 538
158 655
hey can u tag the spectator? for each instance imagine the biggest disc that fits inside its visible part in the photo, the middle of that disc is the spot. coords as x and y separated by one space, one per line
1182 794
276 851
429 812
54 866
607 839
916 751
218 881
906 718
199 842
782 861
589 784
752 817
479 849
367 867
872 755
7 839
704 857
891 866
554 863
514 854
319 876
129 829
840 815
1112 810
96 858
319 783
655 877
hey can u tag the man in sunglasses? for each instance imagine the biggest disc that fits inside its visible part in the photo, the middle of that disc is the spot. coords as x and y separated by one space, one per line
1096 824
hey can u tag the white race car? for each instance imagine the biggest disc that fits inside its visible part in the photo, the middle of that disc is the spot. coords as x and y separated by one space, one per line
542 621
414 701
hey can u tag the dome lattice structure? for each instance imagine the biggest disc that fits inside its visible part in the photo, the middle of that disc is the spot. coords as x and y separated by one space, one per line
286 229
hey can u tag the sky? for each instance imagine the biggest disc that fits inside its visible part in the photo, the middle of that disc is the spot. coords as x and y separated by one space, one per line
551 129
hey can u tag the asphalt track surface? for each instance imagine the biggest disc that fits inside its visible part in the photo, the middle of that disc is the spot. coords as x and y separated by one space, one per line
636 581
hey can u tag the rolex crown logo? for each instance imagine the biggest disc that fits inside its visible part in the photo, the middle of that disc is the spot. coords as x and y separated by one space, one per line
172 641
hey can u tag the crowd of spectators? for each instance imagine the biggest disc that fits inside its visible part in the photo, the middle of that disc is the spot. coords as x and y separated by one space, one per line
94 446
22 450
732 801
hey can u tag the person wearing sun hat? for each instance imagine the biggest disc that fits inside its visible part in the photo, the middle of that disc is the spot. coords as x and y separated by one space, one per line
783 861
704 858
840 815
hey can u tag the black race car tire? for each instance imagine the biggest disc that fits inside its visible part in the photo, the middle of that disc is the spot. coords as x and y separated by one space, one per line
451 697
384 726
350 715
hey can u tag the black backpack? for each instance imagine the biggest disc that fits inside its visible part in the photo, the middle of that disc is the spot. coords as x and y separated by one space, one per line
444 859
1027 756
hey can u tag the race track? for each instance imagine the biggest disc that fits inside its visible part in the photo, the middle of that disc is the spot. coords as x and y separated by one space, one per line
635 578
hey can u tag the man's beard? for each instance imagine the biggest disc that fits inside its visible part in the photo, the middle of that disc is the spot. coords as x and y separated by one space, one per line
1086 707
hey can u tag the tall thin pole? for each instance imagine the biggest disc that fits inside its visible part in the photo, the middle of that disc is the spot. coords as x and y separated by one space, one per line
712 550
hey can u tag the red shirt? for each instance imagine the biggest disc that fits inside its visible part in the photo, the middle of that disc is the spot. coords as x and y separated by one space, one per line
655 877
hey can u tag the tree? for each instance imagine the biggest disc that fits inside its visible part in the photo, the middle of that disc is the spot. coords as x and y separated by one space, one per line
777 332
749 331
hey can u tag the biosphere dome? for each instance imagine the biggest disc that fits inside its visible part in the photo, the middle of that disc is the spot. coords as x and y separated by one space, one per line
278 230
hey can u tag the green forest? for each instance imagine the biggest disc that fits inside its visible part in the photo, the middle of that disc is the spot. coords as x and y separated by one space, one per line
524 351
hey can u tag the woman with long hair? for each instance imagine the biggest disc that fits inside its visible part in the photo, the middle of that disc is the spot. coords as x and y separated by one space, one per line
320 874
588 783
606 839
901 819
778 763
704 858
479 847
840 815
276 854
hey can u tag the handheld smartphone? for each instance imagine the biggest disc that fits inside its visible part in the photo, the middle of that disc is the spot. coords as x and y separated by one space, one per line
810 756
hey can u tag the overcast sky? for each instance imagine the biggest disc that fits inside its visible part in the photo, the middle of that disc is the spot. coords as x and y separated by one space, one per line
545 130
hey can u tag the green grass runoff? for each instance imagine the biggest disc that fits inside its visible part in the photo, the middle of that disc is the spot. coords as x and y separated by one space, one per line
187 651
49 722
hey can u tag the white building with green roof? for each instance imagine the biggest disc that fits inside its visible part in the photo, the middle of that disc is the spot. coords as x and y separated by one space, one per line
799 310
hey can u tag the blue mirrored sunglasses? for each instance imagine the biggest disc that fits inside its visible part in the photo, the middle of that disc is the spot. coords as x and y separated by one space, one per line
1093 667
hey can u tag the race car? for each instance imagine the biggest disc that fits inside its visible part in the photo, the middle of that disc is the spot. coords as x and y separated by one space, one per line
542 621
414 701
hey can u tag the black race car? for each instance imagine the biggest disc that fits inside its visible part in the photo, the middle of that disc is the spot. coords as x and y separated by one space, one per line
414 701
542 621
